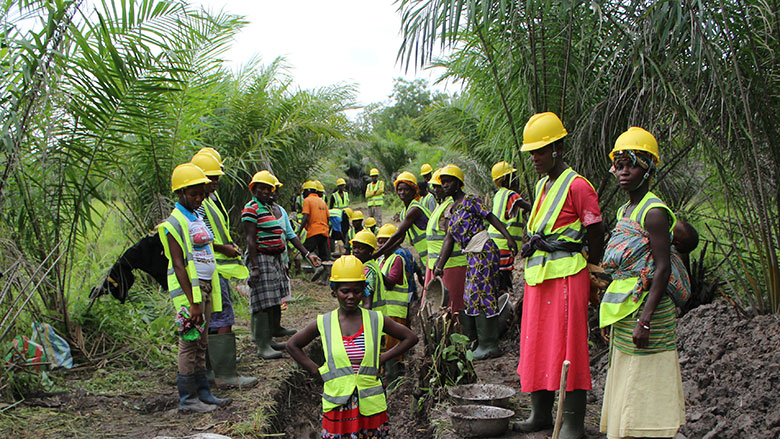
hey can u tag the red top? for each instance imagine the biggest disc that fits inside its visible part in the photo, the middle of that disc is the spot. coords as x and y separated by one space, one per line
581 203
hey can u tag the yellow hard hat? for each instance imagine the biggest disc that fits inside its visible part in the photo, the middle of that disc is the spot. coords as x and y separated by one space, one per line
208 163
366 237
213 152
500 169
405 176
263 176
309 184
319 186
425 169
370 222
340 181
636 139
386 231
374 171
348 211
187 174
435 177
347 268
356 215
452 171
541 130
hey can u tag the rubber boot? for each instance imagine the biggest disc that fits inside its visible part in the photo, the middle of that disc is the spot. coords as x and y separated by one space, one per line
275 345
209 369
262 332
277 330
204 391
251 329
469 325
223 358
573 426
541 413
188 395
487 336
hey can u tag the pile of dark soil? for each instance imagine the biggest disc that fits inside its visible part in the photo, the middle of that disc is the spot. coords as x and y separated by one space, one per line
731 373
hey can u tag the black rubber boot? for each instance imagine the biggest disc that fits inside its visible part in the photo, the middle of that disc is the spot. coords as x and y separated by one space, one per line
541 413
573 426
277 330
188 395
487 336
469 325
204 391
223 359
262 332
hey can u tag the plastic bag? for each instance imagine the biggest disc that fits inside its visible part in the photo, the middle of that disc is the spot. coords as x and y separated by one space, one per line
56 348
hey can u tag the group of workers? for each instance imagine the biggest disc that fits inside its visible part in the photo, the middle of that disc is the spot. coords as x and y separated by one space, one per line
471 248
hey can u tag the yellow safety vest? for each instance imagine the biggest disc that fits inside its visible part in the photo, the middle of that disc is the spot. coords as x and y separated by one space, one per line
341 202
299 208
395 301
513 226
227 267
434 237
177 226
545 265
429 201
376 200
339 378
415 234
615 304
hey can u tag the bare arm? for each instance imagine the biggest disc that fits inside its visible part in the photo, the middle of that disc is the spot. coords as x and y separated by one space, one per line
444 256
657 224
411 216
304 222
300 340
314 259
594 233
405 335
495 222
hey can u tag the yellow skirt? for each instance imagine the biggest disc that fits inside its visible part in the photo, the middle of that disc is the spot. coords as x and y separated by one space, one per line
643 396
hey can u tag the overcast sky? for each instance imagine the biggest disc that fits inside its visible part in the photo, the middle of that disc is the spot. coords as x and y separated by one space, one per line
325 42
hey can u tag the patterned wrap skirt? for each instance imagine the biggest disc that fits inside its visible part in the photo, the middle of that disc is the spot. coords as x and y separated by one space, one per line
273 283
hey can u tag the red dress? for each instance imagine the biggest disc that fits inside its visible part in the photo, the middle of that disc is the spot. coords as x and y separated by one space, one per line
554 326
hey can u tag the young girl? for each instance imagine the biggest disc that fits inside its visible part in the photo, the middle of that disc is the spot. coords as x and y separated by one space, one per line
353 400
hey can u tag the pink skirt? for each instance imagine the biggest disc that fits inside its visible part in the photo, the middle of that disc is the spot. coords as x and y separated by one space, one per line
454 280
554 328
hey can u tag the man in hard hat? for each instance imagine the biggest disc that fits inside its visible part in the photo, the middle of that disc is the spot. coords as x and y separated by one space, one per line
554 327
508 206
337 202
221 351
375 191
370 224
315 221
427 198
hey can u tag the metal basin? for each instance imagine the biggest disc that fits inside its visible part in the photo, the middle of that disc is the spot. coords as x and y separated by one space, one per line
435 297
482 394
479 420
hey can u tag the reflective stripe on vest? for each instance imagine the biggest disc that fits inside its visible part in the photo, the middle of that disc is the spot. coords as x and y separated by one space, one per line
415 234
558 264
339 378
380 290
513 226
376 200
616 304
341 202
429 201
226 266
434 238
395 301
177 226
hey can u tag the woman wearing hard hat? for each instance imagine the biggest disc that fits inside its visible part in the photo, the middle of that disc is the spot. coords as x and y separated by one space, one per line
643 364
267 275
554 327
353 400
193 286
428 198
414 219
466 226
375 192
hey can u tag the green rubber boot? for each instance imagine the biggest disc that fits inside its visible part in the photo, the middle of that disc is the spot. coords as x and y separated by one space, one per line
223 362
487 336
277 330
541 413
262 332
573 426
469 325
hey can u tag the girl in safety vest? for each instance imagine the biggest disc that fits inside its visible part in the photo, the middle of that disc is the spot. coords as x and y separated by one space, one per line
643 364
414 219
193 285
466 226
554 325
353 399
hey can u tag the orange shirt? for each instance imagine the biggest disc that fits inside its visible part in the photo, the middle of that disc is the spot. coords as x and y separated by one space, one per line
318 215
